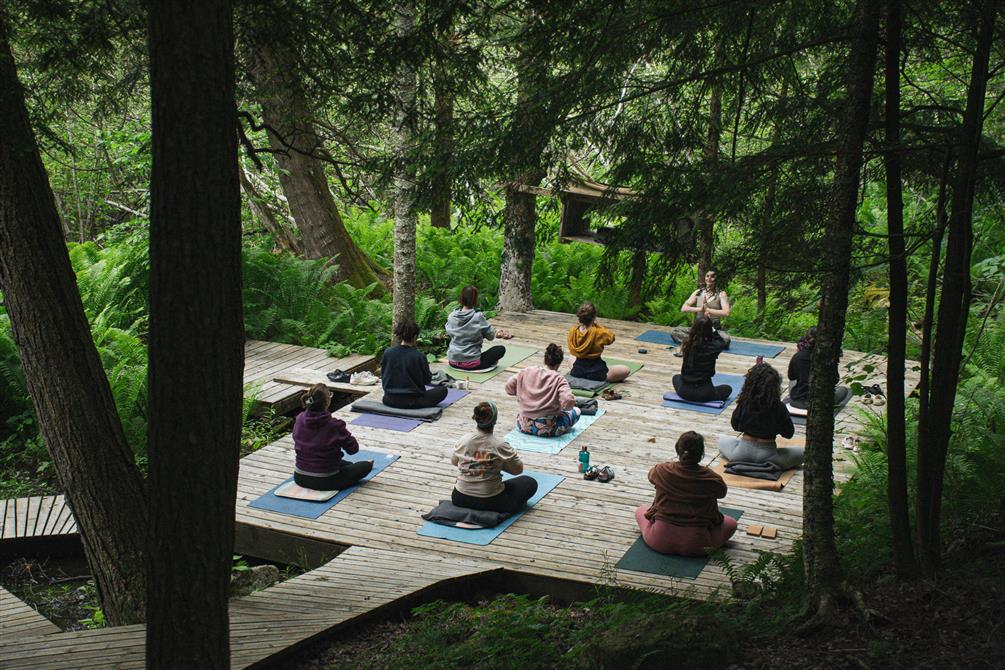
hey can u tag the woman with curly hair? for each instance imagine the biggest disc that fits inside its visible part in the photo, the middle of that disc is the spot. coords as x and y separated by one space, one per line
799 374
700 350
761 416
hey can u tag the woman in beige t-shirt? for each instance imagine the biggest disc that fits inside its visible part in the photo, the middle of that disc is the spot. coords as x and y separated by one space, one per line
481 458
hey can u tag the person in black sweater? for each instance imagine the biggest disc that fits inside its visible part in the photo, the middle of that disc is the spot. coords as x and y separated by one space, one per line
799 374
404 372
761 416
700 349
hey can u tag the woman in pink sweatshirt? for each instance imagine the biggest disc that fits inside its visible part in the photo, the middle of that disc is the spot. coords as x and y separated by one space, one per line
547 406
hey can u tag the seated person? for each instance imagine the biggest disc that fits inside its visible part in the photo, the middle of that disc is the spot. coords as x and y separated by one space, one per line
404 372
319 439
586 342
467 327
701 348
761 416
799 374
547 406
684 517
705 301
481 457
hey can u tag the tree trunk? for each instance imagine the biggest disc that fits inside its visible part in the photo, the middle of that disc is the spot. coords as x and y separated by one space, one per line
294 139
268 218
820 553
638 278
706 223
520 223
954 307
443 147
196 333
896 431
405 220
67 384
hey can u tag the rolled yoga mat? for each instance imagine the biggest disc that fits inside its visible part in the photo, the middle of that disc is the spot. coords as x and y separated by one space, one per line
640 558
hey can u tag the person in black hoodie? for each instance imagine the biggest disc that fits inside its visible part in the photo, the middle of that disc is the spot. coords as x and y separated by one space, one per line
799 374
701 348
404 372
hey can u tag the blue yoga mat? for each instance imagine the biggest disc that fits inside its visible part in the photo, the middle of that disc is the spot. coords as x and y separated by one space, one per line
640 558
736 347
735 382
656 337
483 536
550 445
312 510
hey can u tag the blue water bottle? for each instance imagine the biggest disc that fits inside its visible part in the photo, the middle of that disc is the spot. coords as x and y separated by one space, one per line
584 458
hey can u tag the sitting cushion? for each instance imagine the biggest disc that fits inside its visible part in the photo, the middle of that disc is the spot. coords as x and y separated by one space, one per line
372 407
449 514
768 471
293 490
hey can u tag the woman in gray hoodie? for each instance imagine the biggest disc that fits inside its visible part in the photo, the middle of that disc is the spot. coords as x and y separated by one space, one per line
467 328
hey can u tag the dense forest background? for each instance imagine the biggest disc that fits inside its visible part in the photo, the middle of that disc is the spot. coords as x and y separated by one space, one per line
360 124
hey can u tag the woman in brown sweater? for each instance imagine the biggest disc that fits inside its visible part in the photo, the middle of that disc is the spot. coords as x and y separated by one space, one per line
684 517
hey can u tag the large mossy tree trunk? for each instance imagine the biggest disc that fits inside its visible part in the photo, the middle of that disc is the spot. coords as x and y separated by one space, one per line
67 384
405 219
822 567
294 140
896 430
196 333
954 304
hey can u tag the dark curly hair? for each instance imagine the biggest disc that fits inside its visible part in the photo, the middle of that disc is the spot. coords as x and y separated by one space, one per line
808 340
690 448
762 387
701 333
553 355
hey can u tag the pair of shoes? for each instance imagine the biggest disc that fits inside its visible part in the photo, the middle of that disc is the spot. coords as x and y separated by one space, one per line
601 474
850 443
610 394
338 376
364 378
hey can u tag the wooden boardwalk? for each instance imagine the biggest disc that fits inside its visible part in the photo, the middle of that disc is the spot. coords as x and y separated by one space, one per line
35 517
265 361
263 626
19 620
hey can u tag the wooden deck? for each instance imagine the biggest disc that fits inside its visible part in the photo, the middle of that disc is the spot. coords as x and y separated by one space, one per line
18 620
264 625
265 361
35 517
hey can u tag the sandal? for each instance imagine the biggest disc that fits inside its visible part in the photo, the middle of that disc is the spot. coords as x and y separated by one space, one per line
610 394
591 473
606 474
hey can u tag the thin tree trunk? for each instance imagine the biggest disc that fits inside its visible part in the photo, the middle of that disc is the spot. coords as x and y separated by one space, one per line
930 295
268 218
638 278
954 307
821 562
66 382
706 223
443 111
896 431
405 220
294 139
196 333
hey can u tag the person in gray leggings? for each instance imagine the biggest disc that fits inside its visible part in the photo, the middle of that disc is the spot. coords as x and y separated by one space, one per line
761 416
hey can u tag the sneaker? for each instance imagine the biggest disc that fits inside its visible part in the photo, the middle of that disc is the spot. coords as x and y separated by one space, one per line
606 474
591 473
867 398
877 390
878 401
364 378
338 376
848 443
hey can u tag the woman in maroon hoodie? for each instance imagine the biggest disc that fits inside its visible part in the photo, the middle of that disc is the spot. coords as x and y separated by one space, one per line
319 440
684 517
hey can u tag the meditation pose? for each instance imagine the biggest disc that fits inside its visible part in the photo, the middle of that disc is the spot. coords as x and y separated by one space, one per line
684 517
319 439
799 374
467 327
706 301
547 406
701 348
404 372
481 458
761 416
586 342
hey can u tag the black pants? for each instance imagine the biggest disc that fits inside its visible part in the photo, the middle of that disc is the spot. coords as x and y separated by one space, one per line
343 479
700 392
841 394
518 491
430 398
489 357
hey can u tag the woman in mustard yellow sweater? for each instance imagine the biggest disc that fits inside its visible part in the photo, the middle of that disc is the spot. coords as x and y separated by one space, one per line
586 342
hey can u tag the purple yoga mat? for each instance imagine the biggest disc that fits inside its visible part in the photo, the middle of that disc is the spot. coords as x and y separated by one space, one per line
400 424
453 395
673 397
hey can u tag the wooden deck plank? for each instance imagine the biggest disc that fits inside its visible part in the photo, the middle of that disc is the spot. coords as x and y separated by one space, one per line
18 619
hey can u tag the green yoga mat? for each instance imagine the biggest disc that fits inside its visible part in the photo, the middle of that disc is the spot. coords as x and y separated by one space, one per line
640 558
632 369
514 354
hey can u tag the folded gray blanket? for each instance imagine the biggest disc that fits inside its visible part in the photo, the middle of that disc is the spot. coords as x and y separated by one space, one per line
584 384
371 407
587 406
449 514
768 471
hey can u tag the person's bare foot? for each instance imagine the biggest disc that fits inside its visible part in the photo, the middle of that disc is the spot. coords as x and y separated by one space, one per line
504 334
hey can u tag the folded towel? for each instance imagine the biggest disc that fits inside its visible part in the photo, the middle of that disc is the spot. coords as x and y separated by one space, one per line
673 397
768 471
587 406
371 407
584 384
449 514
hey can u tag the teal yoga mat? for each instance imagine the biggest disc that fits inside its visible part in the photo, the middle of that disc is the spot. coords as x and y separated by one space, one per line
550 445
640 558
736 347
483 536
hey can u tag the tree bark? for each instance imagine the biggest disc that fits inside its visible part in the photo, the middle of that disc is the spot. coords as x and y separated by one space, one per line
405 220
896 431
820 557
67 384
954 306
294 139
638 278
196 333
443 147
284 238
706 223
